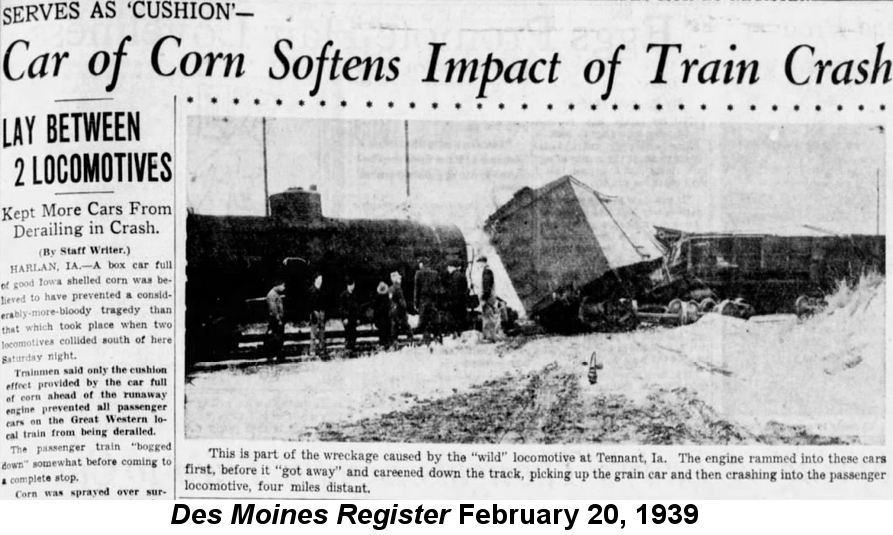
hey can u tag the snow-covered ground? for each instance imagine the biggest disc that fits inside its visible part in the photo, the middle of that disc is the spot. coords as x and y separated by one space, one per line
825 374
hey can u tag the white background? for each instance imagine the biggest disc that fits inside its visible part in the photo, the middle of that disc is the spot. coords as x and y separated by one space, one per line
749 517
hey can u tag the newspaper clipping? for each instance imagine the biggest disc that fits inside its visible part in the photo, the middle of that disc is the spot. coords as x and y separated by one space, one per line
418 250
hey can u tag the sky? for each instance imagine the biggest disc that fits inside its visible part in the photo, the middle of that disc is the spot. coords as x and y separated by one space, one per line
694 177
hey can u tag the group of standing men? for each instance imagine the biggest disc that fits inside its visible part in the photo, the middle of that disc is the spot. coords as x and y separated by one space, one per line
440 300
276 328
441 303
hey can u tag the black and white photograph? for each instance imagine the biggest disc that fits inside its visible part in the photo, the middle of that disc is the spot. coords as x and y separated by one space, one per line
535 282
350 265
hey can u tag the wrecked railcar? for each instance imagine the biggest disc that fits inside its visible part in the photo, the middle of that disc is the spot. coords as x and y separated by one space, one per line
771 272
577 258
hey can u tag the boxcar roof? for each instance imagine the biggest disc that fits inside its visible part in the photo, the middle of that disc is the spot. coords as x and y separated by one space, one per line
622 235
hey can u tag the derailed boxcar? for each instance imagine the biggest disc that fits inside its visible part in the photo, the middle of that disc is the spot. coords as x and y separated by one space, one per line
233 261
768 272
575 256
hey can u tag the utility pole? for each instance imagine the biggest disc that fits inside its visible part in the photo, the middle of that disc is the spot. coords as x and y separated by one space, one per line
266 185
406 136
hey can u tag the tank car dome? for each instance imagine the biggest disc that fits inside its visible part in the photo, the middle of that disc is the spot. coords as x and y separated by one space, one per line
296 205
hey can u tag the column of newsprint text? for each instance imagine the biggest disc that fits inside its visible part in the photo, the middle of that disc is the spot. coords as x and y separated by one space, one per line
87 293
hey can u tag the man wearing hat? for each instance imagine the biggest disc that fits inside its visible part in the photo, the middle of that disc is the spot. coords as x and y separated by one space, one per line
317 305
457 298
382 316
350 314
399 318
276 328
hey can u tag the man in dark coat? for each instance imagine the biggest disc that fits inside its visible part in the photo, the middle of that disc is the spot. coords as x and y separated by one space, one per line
426 292
399 319
317 317
457 298
383 314
276 327
488 282
350 315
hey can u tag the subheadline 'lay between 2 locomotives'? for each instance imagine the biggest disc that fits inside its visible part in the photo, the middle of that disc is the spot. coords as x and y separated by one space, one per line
234 259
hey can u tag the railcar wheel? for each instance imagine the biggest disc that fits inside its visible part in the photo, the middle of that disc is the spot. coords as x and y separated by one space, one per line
707 305
675 306
746 311
726 308
806 306
688 314
801 307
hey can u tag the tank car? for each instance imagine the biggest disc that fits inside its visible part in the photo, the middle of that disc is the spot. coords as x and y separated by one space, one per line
233 261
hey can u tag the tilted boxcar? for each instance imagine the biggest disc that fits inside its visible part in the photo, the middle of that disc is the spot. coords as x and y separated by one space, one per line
565 243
